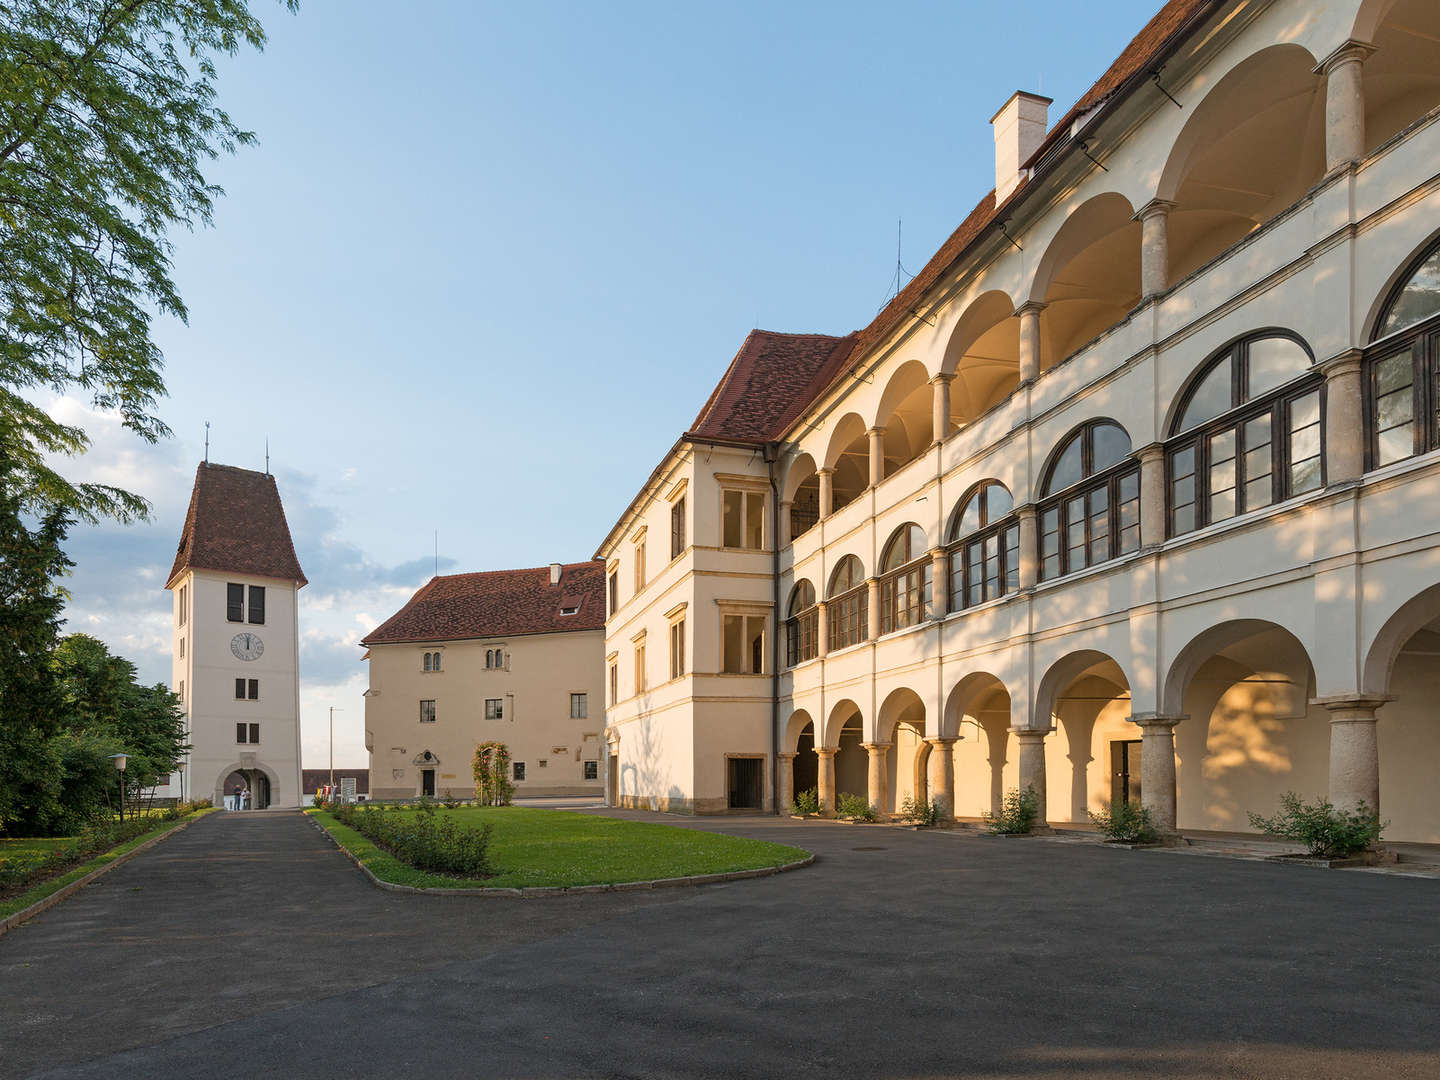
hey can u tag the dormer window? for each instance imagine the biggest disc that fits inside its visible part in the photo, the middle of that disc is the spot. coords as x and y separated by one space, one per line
572 610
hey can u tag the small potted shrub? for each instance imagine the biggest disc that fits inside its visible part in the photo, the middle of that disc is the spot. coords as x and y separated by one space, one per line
857 808
806 803
1125 823
1018 811
920 811
1328 833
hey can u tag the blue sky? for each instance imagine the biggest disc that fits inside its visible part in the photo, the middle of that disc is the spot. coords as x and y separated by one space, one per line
488 260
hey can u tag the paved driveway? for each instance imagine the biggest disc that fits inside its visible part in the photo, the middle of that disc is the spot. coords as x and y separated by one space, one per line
246 946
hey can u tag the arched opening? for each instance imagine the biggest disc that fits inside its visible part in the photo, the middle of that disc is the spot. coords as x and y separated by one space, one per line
847 605
1096 759
1090 491
984 354
906 413
802 624
902 725
1089 276
1250 733
246 789
1251 148
802 492
984 546
849 456
905 579
844 732
1401 81
1403 364
800 740
977 713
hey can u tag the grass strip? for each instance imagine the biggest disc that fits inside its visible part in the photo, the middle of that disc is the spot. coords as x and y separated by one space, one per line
40 891
539 848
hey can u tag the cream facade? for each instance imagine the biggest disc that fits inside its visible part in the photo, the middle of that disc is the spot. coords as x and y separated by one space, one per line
1133 494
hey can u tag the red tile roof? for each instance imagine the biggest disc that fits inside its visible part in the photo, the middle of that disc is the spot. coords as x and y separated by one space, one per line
498 603
794 369
236 523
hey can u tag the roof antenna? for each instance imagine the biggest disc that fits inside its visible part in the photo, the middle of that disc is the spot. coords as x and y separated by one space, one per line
267 455
207 442
896 284
437 552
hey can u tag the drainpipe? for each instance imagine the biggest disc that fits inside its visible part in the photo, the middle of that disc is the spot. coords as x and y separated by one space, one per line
772 455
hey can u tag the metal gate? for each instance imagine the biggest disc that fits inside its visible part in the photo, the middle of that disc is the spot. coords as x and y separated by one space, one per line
746 783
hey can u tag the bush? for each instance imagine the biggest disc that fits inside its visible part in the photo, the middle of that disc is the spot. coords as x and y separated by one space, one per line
856 806
1018 811
806 802
920 811
451 800
1325 831
423 839
94 839
1126 821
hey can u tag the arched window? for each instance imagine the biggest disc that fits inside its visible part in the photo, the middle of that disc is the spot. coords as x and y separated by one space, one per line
984 546
1091 507
435 661
1247 433
1402 384
847 610
905 572
802 625
427 662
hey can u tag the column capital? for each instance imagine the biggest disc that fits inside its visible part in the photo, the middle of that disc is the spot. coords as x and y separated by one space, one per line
1026 510
1351 51
875 747
876 430
942 742
1150 452
936 553
1031 307
1023 733
942 377
826 751
1351 703
1153 208
1342 363
828 470
1157 721
786 755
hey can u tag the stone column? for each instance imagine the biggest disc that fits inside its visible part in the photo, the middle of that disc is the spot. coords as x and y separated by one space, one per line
939 584
872 608
877 455
822 628
825 779
1157 769
1032 767
1344 418
1154 247
786 776
1029 314
1152 495
1354 753
942 776
827 492
940 406
1344 103
1029 547
875 794
784 531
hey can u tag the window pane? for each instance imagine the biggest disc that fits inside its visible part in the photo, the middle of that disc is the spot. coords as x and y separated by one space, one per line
1419 299
1305 410
1395 445
1050 543
992 567
1075 533
1129 511
1068 466
1305 442
998 502
257 604
969 519
1273 362
754 520
1184 519
1099 525
1012 558
734 632
1394 373
1304 476
1212 397
1259 463
1111 446
731 537
1222 475
755 644
974 555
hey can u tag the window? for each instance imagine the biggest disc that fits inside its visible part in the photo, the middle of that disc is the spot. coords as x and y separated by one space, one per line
743 524
234 603
639 567
247 733
1402 372
182 691
677 648
494 659
744 644
427 711
579 707
592 770
517 770
257 604
640 668
614 682
848 608
182 648
184 598
1091 511
677 527
614 591
802 627
247 689
494 708
905 570
427 662
1248 434
984 546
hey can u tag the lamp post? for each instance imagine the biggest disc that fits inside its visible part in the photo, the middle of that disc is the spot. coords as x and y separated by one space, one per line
332 750
119 760
181 766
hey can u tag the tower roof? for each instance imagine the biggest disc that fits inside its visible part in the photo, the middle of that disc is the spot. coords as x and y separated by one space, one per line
236 523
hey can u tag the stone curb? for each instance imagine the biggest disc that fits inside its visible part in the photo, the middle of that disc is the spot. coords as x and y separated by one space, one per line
26 914
566 890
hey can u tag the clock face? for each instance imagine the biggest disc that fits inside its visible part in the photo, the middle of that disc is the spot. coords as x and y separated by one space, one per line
247 646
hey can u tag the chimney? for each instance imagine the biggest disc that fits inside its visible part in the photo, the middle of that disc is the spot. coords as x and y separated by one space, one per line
554 573
1019 131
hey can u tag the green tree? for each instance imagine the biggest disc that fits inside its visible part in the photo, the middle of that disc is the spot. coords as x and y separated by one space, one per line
107 114
31 704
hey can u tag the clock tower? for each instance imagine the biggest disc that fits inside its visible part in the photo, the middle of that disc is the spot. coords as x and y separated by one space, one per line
235 589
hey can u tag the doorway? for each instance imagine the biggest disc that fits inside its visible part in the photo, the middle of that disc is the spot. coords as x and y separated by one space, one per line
1125 772
745 782
427 782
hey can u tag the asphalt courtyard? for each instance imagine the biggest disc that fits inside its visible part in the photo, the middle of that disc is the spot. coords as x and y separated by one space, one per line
246 945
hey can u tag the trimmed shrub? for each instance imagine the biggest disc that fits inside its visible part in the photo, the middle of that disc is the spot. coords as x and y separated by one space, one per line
920 811
423 839
1127 821
1018 811
18 875
1325 831
856 806
806 802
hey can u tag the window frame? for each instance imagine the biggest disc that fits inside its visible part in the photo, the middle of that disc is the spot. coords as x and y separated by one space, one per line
677 528
234 609
255 604
959 545
802 626
847 610
430 718
745 495
1422 341
581 698
1091 482
494 708
906 590
677 647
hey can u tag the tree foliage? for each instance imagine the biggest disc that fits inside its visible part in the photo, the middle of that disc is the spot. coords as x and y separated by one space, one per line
491 769
107 115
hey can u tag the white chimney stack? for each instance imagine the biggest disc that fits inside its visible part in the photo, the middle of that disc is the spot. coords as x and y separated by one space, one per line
1019 131
554 573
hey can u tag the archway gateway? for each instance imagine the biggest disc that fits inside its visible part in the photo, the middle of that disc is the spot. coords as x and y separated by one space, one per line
246 789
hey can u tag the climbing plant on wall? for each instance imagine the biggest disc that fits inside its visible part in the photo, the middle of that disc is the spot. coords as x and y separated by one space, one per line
491 768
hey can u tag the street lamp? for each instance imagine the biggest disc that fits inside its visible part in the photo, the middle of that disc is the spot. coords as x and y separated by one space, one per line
332 750
181 766
119 760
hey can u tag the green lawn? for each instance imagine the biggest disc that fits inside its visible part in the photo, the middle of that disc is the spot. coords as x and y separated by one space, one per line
535 847
32 849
